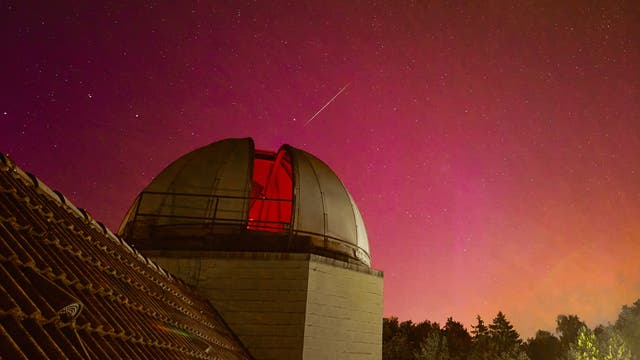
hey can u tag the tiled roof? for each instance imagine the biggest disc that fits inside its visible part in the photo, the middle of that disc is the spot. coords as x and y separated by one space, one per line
69 288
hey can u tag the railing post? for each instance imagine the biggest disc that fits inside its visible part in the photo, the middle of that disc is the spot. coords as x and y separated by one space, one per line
215 212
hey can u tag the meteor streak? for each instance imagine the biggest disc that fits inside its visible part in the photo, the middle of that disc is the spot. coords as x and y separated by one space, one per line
327 104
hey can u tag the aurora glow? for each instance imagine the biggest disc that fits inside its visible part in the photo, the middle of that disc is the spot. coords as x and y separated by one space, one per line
492 148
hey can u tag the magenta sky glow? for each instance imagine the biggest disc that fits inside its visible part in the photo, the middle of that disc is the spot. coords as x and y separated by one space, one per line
493 148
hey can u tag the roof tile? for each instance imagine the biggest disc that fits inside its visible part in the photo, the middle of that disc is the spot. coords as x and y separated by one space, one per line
70 288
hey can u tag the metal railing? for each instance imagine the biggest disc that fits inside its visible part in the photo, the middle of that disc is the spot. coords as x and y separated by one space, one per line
217 213
176 208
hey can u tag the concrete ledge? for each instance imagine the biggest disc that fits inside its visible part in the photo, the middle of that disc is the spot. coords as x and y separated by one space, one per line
247 255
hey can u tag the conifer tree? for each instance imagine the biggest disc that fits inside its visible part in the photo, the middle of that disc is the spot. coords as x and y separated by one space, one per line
480 341
480 329
503 336
505 342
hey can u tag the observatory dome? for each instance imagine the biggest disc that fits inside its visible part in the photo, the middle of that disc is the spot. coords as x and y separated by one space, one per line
228 196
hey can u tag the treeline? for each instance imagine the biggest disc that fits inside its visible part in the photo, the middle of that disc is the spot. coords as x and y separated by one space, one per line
572 340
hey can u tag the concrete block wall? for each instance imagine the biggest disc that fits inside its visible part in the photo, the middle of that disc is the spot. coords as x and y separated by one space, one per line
344 312
288 306
261 296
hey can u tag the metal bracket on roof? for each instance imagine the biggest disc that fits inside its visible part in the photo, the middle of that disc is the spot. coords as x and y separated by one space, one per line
71 311
7 164
34 179
84 213
60 196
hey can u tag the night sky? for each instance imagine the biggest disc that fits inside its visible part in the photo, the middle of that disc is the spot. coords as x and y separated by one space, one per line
493 148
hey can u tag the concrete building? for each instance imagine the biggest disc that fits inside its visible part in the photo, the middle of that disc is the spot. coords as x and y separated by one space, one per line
274 241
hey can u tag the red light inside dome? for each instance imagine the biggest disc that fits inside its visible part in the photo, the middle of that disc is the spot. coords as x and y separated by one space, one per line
271 191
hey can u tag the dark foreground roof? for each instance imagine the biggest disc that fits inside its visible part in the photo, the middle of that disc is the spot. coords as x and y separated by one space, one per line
69 288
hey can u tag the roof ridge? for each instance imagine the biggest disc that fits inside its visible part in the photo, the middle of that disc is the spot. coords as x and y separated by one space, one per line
7 164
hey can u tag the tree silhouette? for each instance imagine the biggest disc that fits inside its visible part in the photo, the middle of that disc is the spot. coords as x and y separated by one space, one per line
628 324
480 329
545 346
499 340
395 340
568 327
480 341
434 347
505 342
458 339
420 332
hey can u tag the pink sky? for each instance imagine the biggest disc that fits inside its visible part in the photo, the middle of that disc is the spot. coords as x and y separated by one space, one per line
492 149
